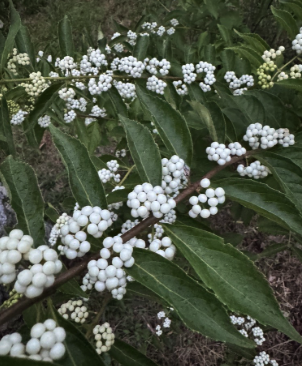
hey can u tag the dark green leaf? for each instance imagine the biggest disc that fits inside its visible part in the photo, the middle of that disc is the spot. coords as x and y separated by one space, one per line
25 45
120 195
25 197
248 53
6 128
254 41
141 48
287 21
51 213
83 177
291 84
34 314
14 361
117 101
73 288
94 136
65 37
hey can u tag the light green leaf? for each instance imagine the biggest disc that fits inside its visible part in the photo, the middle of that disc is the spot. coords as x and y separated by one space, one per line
254 41
13 30
287 21
199 309
25 45
171 125
25 197
65 37
266 201
144 151
6 128
83 177
141 48
127 355
231 275
248 53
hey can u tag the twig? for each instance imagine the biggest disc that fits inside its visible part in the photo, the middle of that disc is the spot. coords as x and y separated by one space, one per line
97 319
126 175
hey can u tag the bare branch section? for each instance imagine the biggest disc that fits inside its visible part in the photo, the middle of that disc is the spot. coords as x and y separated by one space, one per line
25 303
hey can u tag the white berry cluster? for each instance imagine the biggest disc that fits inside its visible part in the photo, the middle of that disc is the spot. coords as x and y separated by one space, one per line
170 217
297 43
118 46
13 249
89 120
128 225
295 71
254 170
74 310
67 94
126 90
163 247
21 59
157 233
37 85
236 83
45 264
174 22
156 85
104 337
264 359
170 31
18 118
130 65
103 85
104 275
150 26
180 88
219 152
110 173
272 54
145 198
212 197
56 229
44 121
116 205
93 220
209 78
166 323
70 116
131 37
45 344
188 73
154 66
97 58
66 64
269 136
173 175
120 153
96 111
77 104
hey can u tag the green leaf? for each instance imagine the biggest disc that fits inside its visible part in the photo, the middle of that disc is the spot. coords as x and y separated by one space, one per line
65 37
120 195
213 7
199 309
83 177
25 197
291 84
73 288
13 30
295 7
248 53
117 101
144 151
51 213
171 125
254 41
34 314
287 21
267 226
79 352
266 201
137 289
127 355
43 102
297 252
272 250
141 48
286 166
25 45
15 361
226 34
231 275
6 128
94 136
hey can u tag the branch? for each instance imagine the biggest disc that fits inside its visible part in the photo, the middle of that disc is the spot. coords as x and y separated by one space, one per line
25 303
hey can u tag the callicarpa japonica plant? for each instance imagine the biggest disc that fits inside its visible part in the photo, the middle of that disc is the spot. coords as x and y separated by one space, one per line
202 114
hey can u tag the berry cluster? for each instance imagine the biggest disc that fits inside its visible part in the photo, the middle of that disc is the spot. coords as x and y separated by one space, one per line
20 59
103 85
264 359
130 65
264 78
110 173
104 337
118 46
218 152
96 111
156 85
174 22
120 153
18 118
272 54
126 90
212 197
97 58
297 43
13 249
145 198
74 310
77 104
67 94
70 116
44 121
56 229
128 225
254 170
157 234
188 73
94 220
154 66
235 83
66 64
45 264
166 323
163 247
209 78
173 175
180 88
45 344
132 36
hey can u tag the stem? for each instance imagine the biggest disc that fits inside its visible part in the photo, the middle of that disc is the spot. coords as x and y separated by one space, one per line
283 67
97 319
25 303
126 175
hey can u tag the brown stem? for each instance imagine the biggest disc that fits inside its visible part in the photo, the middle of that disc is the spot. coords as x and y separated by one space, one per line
25 303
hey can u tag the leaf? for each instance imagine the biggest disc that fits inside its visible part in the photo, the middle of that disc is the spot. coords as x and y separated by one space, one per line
25 197
79 352
51 213
297 252
171 125
25 45
117 101
6 128
267 226
65 37
291 84
287 21
84 181
15 361
141 48
213 7
120 195
129 356
13 30
254 41
144 151
296 8
231 275
34 314
286 166
266 201
94 136
206 118
43 102
137 289
226 34
248 53
73 288
272 250
199 309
